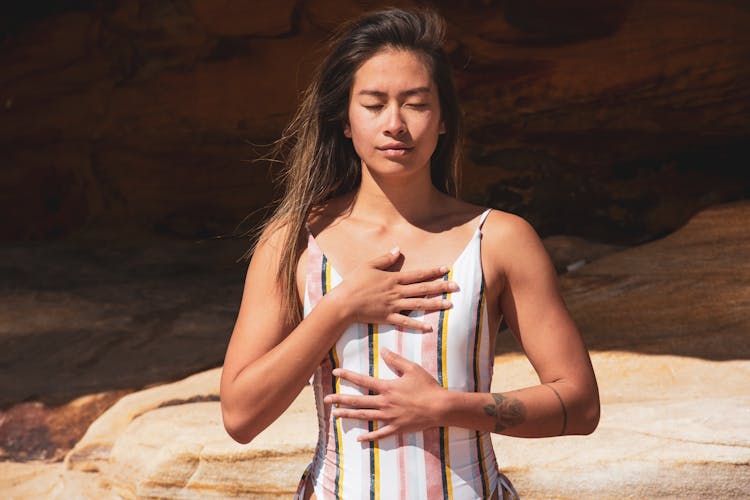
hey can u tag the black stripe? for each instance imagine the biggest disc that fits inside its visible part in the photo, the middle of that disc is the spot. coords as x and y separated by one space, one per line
370 426
442 463
477 333
323 275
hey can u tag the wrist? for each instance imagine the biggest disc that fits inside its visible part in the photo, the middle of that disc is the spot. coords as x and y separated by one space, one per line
442 404
340 308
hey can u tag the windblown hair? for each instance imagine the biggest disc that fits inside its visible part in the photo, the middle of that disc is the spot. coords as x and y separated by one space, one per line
318 162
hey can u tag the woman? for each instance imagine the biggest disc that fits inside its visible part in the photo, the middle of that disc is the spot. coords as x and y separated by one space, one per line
373 278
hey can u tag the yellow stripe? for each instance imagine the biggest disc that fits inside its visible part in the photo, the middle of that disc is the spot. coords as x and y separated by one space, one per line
445 384
328 276
481 451
338 424
376 445
340 434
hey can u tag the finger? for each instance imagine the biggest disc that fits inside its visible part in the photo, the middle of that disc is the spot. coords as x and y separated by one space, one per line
352 401
415 304
359 379
386 260
419 275
406 322
357 414
384 431
395 362
428 288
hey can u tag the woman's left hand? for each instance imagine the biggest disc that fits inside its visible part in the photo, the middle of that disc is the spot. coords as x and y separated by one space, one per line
408 403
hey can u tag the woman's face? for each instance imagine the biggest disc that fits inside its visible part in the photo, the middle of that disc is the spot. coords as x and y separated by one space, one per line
394 113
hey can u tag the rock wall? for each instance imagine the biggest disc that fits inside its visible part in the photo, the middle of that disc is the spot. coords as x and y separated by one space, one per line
610 119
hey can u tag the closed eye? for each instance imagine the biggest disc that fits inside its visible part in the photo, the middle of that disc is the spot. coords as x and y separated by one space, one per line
374 107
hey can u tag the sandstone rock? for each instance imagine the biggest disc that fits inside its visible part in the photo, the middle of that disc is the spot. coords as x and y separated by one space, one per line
245 18
671 427
685 294
87 316
626 116
569 253
662 417
92 452
34 431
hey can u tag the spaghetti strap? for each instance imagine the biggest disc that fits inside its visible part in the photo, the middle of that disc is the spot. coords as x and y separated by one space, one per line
483 218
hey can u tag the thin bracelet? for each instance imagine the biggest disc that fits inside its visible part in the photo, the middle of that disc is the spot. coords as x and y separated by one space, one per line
562 405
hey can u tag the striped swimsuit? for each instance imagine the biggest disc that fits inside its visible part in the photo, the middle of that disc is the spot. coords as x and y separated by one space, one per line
443 462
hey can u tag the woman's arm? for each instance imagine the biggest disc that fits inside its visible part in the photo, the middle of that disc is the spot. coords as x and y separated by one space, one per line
268 361
566 401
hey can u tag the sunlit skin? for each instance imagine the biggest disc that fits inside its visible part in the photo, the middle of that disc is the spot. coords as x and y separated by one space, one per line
391 241
394 116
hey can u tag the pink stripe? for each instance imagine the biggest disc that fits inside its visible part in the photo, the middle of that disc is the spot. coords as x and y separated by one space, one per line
433 469
329 463
314 264
400 436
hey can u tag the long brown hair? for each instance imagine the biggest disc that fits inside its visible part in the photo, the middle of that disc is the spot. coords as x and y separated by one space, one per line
319 162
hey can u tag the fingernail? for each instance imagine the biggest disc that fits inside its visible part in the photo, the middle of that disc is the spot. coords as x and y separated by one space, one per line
395 251
453 286
385 350
336 372
443 269
447 303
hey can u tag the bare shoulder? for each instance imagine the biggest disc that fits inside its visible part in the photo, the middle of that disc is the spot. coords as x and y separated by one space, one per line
506 229
271 239
512 243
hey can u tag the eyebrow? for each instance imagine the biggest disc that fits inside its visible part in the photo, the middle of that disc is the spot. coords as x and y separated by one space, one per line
405 93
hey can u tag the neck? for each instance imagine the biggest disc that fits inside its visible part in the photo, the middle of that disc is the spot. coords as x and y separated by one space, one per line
391 201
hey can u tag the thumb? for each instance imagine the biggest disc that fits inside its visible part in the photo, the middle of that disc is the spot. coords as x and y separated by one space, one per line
395 362
386 260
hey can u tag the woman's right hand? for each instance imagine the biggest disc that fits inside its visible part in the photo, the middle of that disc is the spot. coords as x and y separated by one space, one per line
371 294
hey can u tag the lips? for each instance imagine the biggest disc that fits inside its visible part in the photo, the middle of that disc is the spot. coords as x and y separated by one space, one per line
394 149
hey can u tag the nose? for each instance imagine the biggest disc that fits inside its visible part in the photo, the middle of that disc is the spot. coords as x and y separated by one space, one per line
394 124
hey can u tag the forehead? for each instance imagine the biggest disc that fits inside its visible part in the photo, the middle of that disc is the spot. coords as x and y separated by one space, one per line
392 70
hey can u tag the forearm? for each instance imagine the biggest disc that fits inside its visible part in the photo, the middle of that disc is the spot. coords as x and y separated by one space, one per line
265 388
544 410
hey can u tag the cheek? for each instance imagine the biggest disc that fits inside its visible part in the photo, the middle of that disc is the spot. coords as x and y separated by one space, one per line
360 126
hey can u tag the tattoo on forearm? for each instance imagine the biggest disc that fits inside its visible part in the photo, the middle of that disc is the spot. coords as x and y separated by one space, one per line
508 412
564 410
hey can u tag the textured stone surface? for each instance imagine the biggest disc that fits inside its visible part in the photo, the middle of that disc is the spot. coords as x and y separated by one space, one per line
664 418
617 125
195 455
90 315
671 427
569 253
34 431
684 294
